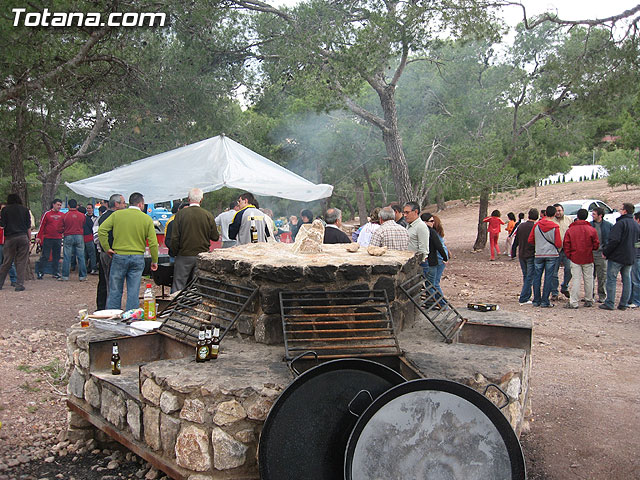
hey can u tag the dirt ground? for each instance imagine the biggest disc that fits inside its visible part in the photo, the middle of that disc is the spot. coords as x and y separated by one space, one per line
585 386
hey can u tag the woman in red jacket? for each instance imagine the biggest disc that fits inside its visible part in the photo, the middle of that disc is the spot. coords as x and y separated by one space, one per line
495 223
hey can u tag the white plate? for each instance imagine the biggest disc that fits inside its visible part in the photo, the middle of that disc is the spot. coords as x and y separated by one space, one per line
106 313
146 325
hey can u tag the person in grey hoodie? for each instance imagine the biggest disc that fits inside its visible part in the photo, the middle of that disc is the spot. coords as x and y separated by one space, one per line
545 235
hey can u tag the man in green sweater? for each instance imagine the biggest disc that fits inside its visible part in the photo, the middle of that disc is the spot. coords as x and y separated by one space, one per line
131 229
193 229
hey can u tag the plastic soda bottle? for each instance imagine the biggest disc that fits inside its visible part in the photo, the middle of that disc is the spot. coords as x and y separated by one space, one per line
149 303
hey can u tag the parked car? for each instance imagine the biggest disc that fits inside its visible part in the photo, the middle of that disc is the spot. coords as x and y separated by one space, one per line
571 208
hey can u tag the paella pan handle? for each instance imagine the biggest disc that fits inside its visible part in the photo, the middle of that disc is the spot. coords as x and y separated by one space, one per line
364 402
506 397
298 357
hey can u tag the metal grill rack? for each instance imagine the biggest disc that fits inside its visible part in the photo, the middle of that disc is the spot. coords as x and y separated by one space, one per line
442 315
338 324
204 300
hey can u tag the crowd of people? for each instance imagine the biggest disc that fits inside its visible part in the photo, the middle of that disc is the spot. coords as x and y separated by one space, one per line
110 240
591 253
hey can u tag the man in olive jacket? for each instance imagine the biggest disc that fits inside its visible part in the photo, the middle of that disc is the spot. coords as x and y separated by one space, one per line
620 252
193 229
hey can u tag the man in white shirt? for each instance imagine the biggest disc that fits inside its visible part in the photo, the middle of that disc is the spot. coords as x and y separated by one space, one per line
224 220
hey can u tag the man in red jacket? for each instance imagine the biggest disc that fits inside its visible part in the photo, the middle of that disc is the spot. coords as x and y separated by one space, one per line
73 244
579 243
50 237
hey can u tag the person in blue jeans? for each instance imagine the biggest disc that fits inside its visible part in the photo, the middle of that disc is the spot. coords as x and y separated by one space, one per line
635 272
526 255
12 270
73 241
620 252
545 236
436 250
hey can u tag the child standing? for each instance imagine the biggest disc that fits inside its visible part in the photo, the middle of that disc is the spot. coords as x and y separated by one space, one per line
495 224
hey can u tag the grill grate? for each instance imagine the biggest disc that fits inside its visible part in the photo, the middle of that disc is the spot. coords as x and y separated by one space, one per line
338 324
432 304
204 300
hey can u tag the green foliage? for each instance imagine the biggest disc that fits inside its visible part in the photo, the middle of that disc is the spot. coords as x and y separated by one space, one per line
623 167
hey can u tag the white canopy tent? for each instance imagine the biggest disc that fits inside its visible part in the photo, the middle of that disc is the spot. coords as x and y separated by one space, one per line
210 165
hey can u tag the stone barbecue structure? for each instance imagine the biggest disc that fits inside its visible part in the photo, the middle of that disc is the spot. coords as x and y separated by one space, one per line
202 421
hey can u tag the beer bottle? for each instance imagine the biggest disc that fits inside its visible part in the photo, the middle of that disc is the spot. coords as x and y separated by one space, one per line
215 342
202 352
253 230
115 360
207 337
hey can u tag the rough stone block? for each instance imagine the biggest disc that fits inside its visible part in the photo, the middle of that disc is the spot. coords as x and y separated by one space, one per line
245 324
92 393
151 420
269 329
242 269
227 451
83 359
76 383
169 428
353 272
269 299
75 420
169 402
257 407
277 274
193 410
229 412
246 436
134 419
386 283
192 449
76 434
223 265
151 391
386 269
113 408
321 273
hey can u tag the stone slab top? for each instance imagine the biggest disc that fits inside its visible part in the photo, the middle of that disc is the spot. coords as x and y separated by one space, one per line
501 318
461 362
241 365
281 255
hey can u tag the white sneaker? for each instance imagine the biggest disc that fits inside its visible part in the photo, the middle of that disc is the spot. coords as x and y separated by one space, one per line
528 302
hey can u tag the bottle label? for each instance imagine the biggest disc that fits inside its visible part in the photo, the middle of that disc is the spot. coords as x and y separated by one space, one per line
203 352
215 348
115 349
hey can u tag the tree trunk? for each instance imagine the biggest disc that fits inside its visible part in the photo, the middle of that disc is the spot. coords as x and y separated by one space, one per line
50 184
393 144
347 202
440 199
16 155
372 198
362 208
483 210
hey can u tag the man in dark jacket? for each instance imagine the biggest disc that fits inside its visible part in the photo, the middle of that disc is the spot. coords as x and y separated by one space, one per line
16 221
603 228
332 232
526 255
620 252
579 243
193 230
634 302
